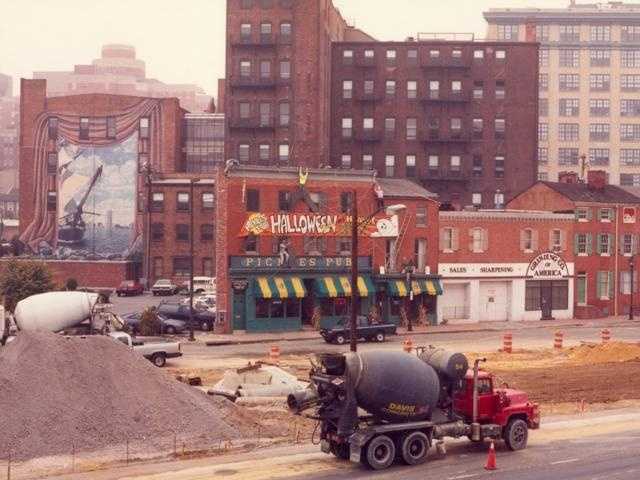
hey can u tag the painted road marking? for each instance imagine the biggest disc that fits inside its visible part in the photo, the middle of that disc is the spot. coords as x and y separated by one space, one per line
460 477
570 460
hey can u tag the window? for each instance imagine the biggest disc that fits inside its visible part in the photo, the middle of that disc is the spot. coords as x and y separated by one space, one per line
455 125
367 124
410 166
314 245
208 200
456 53
253 200
389 127
251 245
266 29
157 232
182 202
583 244
599 82
630 83
285 69
369 87
569 107
478 55
347 89
265 69
245 32
581 289
478 90
343 245
629 132
347 127
449 239
479 240
599 156
599 107
390 88
629 179
182 232
207 267
543 81
604 243
412 128
625 282
600 33
264 153
345 160
569 57
569 33
206 232
412 89
244 110
367 161
543 155
630 33
420 254
605 285
542 33
84 128
111 127
543 176
568 132
455 163
600 58
568 156
629 243
52 128
499 128
605 215
244 153
569 82
556 240
369 53
543 131
508 32
434 89
265 115
283 153
476 199
158 267
630 108
285 32
284 201
498 199
347 57
434 161
391 57
477 166
157 202
389 164
630 58
477 127
543 57
630 156
499 167
181 266
583 214
245 68
284 114
528 240
456 88
412 57
346 202
543 107
52 163
434 53
599 132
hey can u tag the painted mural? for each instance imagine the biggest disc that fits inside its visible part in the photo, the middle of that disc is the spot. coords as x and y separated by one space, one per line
96 200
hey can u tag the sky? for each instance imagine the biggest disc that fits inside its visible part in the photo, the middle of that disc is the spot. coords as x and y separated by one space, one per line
183 41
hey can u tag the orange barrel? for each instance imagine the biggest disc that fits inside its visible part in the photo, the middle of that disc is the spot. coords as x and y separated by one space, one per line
507 342
557 340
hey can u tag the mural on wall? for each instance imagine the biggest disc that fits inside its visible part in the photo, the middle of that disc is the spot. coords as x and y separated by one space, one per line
96 199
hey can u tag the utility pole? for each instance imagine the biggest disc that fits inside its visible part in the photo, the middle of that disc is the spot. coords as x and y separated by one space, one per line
353 340
631 269
191 250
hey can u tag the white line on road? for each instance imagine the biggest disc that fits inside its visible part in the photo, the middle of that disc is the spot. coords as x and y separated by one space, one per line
570 460
460 477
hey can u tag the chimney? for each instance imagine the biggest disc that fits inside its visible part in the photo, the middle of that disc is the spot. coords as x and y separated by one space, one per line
568 177
596 179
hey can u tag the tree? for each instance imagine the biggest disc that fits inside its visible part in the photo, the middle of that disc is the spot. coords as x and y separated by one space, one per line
21 279
71 285
149 322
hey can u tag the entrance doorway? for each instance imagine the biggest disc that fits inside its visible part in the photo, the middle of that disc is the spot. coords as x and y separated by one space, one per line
239 311
494 301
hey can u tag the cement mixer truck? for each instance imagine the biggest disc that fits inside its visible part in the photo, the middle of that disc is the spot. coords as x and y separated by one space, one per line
376 406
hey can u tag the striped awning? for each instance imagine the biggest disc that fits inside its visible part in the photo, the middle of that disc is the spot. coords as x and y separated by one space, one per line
398 288
341 286
280 287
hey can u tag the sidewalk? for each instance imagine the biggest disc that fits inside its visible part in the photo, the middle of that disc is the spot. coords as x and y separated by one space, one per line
239 338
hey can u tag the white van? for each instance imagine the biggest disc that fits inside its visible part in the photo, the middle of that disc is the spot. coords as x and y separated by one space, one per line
202 284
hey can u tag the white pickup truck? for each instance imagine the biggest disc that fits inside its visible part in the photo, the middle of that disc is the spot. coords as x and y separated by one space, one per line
157 352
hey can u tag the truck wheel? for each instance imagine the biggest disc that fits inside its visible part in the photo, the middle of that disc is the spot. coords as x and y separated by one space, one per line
516 434
340 339
380 337
340 450
381 451
159 359
414 448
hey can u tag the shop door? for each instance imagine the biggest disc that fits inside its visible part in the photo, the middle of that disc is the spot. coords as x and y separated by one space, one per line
494 301
239 311
546 302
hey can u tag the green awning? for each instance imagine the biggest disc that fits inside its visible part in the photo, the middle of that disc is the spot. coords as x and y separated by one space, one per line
280 287
340 286
398 288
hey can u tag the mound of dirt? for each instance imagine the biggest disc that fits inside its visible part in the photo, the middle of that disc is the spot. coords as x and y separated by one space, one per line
605 353
59 393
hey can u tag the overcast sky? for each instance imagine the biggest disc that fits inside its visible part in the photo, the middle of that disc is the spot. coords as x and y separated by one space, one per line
183 41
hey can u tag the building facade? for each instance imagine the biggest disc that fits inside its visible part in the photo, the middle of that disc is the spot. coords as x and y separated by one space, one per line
203 135
119 72
589 85
9 121
104 184
284 248
604 242
506 265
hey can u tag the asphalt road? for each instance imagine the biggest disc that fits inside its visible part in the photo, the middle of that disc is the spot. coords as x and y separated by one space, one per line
138 303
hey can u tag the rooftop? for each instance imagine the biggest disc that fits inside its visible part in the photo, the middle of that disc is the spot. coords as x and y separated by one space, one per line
502 214
581 192
400 187
572 11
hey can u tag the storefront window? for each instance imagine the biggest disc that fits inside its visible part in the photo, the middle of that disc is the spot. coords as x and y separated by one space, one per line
262 308
292 307
560 295
532 296
341 306
556 292
326 307
395 304
277 309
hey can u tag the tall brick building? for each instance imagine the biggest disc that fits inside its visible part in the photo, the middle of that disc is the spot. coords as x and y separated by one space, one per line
305 88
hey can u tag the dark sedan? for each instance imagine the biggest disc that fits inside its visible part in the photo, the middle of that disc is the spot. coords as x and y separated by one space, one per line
170 326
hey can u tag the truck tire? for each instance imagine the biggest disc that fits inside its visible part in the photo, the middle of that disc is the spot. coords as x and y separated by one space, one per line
159 359
340 339
414 448
380 337
516 434
340 450
380 452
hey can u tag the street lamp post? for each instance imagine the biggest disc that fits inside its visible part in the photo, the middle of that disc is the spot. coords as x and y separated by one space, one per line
191 252
631 268
409 273
353 340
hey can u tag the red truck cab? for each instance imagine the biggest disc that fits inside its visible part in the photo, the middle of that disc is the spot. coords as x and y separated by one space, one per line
495 405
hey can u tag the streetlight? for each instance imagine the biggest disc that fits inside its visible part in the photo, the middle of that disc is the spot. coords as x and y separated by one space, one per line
353 320
409 268
631 267
191 209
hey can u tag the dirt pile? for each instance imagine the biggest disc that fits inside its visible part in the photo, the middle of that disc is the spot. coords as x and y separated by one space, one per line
605 353
59 393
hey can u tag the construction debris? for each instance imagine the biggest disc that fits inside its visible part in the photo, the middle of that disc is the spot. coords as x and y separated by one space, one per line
606 353
257 380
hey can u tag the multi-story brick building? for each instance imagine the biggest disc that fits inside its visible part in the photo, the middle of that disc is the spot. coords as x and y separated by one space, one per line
8 125
284 247
506 265
104 188
589 84
604 242
203 135
304 88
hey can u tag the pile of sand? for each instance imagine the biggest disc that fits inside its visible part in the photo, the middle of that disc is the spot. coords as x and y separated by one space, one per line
59 393
605 353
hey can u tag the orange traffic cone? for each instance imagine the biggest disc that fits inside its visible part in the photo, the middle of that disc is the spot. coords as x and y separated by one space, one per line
491 459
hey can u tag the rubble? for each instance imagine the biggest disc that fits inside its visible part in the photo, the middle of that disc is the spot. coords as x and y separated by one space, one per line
606 353
257 380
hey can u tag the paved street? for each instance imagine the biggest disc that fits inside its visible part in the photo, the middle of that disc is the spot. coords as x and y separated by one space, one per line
138 303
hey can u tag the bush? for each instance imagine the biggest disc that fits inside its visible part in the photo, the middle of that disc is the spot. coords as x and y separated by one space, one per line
149 322
71 285
21 279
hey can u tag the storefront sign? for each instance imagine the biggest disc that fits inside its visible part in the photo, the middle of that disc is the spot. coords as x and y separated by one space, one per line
315 224
239 285
547 266
629 215
305 263
482 269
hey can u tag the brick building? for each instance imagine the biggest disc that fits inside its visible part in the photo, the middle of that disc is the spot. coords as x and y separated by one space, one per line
104 184
304 88
604 241
506 265
273 258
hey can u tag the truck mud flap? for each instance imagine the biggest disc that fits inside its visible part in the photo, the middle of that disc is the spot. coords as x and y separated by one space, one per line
356 442
325 446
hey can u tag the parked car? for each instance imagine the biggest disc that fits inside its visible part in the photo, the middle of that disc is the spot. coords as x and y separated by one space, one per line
129 287
156 352
365 330
164 287
203 319
170 326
